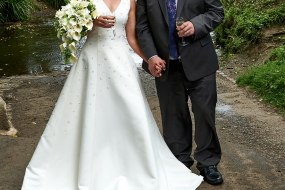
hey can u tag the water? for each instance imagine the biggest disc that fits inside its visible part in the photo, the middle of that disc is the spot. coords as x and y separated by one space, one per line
29 49
32 48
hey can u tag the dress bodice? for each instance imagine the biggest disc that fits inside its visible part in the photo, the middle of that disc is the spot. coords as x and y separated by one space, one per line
121 13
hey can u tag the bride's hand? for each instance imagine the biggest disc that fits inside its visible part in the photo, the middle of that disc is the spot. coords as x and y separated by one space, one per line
156 65
104 21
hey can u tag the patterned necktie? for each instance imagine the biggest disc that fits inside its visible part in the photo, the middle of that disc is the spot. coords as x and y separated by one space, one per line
171 7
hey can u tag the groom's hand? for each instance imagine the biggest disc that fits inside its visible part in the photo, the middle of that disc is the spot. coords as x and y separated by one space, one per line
186 29
156 65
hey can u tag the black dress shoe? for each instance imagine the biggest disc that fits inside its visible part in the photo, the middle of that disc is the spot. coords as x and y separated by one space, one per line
211 175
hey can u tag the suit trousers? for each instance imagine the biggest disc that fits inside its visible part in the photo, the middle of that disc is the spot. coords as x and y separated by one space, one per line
173 95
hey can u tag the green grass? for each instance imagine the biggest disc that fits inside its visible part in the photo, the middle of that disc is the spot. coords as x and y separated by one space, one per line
268 80
19 10
244 20
15 10
2 7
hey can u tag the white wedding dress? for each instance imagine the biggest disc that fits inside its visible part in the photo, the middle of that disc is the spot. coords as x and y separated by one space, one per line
101 134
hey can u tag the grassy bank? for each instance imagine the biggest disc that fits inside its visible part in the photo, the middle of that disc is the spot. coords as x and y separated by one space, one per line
239 35
19 10
268 80
244 21
15 10
55 3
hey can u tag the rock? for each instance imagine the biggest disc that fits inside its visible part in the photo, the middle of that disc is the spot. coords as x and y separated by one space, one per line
6 127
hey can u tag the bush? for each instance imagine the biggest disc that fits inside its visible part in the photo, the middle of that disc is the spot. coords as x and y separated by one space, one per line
2 7
19 10
268 80
244 20
56 3
14 10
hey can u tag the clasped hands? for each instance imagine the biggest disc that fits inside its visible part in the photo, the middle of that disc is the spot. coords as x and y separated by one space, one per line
155 64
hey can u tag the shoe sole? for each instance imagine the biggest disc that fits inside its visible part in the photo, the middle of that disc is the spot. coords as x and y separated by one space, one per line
218 182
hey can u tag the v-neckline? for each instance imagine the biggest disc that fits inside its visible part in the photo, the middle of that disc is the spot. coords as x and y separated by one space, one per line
112 12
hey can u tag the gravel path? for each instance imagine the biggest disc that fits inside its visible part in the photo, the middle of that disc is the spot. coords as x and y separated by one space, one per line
251 134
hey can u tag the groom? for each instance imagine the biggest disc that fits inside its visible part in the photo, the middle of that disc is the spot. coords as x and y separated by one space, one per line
184 71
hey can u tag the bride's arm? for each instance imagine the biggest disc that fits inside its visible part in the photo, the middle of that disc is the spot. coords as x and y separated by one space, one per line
131 31
102 21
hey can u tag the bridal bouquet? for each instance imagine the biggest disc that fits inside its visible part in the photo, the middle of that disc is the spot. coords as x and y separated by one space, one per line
73 21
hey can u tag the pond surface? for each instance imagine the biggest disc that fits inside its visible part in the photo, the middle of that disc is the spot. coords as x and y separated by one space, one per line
29 48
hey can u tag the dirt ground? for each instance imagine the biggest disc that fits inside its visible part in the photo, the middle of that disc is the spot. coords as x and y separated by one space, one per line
251 133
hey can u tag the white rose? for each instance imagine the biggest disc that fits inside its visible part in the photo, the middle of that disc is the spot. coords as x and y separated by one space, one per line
64 38
62 47
58 34
69 26
83 12
84 4
72 21
94 14
93 2
78 28
63 21
88 18
72 58
70 13
72 2
74 35
59 14
72 47
67 7
69 34
89 25
64 28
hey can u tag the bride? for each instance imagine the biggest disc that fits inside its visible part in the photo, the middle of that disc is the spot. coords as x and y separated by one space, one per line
101 134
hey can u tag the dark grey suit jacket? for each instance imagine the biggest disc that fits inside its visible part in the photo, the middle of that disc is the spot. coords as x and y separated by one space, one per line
199 58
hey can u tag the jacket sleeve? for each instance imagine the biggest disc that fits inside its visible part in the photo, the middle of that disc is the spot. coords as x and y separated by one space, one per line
143 30
206 22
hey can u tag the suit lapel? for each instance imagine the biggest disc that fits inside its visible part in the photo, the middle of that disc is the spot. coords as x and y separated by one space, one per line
180 5
163 8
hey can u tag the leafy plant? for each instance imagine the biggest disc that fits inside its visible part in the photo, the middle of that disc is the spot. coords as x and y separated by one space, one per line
14 10
244 20
268 80
2 7
56 3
